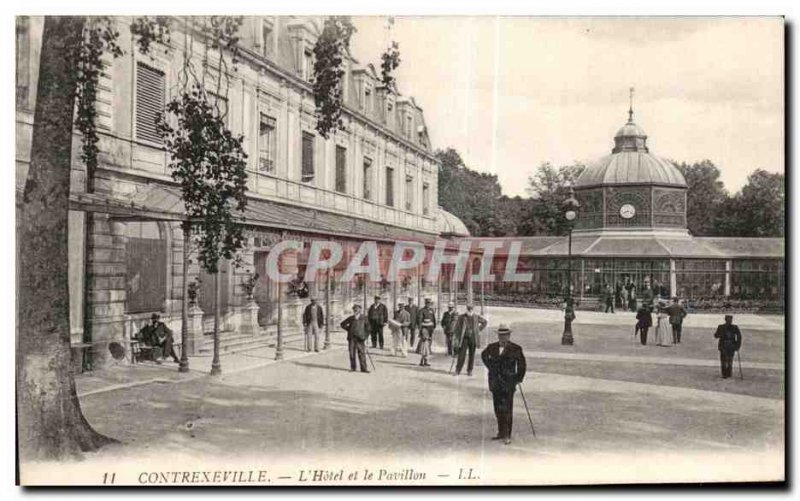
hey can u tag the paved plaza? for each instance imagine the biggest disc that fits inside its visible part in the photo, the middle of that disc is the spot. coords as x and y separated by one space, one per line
602 397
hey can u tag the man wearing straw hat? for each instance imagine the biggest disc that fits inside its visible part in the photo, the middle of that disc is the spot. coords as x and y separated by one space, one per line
506 364
448 326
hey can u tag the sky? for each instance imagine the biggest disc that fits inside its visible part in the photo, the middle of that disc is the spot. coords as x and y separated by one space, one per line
509 93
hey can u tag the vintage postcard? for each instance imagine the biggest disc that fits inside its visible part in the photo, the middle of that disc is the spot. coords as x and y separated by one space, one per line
400 251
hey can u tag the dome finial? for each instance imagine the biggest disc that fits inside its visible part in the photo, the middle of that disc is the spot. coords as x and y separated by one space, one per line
630 109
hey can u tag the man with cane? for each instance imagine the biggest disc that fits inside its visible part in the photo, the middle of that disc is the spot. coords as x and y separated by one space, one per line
357 334
730 340
506 364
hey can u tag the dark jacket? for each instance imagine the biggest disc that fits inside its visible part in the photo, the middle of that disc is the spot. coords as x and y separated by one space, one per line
356 327
378 314
676 313
425 314
506 370
307 316
449 321
154 334
413 311
644 317
730 338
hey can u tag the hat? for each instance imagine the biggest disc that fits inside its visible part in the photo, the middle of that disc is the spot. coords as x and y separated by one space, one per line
377 296
729 316
313 298
155 316
357 306
428 300
503 329
400 301
451 305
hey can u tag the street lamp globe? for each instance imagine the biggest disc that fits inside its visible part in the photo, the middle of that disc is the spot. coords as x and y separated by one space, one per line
571 215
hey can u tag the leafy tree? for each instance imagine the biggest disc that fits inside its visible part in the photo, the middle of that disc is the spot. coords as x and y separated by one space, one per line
705 196
50 422
330 50
548 188
758 210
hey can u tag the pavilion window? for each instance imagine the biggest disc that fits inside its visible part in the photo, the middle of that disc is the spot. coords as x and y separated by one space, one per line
267 144
150 98
145 268
307 173
341 169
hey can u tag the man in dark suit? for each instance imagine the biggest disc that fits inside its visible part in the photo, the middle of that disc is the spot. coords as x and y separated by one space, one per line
730 340
356 327
413 312
466 338
313 322
157 335
448 325
426 321
644 320
676 313
506 364
377 315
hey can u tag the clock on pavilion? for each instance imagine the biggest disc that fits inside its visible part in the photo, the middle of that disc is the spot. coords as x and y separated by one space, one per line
631 191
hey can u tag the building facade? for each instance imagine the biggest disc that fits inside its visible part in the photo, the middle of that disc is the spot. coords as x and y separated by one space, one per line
374 180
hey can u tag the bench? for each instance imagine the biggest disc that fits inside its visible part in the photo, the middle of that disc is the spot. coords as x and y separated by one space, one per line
138 350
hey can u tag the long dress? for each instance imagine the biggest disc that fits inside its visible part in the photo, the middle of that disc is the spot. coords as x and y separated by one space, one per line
663 330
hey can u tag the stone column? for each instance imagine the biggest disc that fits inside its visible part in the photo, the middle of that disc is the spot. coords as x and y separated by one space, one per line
673 278
728 268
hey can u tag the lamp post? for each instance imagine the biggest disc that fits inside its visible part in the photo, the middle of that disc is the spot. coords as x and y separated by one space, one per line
571 206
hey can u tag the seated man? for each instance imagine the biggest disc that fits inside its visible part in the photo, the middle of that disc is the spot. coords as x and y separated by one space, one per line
157 335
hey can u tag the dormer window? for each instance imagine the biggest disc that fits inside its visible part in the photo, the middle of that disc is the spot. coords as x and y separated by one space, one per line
308 64
267 38
367 99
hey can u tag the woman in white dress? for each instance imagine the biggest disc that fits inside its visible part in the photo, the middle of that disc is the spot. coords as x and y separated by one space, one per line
663 329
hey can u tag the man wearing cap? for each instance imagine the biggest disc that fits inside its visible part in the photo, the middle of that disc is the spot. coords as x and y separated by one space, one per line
426 320
157 335
730 340
399 335
506 364
466 338
449 320
313 321
356 327
413 326
377 316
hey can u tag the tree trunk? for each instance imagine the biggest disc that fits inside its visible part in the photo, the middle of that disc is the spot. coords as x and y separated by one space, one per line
50 422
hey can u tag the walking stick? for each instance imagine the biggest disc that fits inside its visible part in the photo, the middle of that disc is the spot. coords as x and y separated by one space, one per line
530 420
450 370
741 377
366 350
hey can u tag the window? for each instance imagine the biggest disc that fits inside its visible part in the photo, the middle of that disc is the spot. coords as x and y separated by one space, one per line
367 99
308 64
426 203
150 96
307 174
341 169
389 186
267 144
409 193
145 268
266 39
367 178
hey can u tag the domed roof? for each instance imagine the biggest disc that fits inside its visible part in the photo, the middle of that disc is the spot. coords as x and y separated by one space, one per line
450 225
631 167
631 162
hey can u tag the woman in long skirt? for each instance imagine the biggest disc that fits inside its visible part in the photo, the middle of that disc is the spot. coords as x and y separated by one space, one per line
663 329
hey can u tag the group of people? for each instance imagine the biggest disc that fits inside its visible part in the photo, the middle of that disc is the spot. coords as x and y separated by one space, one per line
669 320
629 296
504 360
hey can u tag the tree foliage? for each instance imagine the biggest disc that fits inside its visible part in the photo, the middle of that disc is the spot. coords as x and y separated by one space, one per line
330 50
390 60
705 195
209 163
548 188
